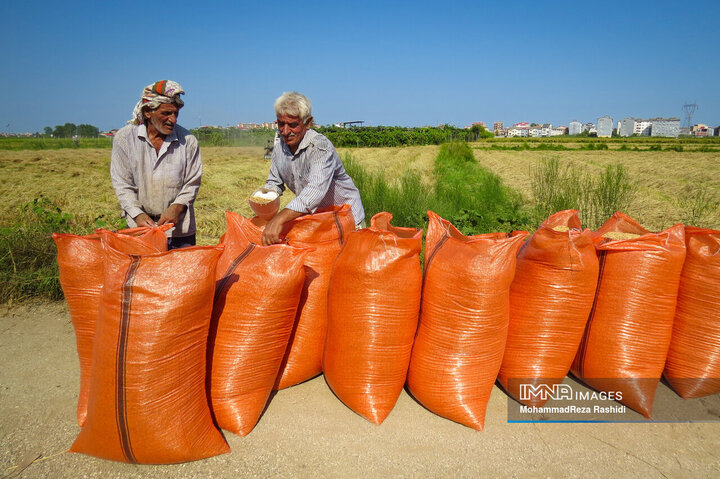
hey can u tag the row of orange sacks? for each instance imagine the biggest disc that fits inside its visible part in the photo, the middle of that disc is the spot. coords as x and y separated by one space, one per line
356 306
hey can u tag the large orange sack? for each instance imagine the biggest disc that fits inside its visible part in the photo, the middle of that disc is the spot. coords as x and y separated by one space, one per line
628 333
693 362
550 299
147 400
373 306
463 321
325 232
256 298
80 261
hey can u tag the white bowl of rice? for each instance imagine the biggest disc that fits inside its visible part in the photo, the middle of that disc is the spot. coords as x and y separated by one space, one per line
264 203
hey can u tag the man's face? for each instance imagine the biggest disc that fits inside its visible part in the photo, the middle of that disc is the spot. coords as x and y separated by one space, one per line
163 119
292 130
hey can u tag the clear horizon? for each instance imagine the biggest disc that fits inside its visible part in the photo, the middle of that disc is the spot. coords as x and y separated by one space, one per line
385 63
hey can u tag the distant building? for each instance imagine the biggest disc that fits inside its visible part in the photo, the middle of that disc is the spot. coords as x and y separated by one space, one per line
498 125
479 123
665 127
559 130
575 128
642 127
701 130
517 131
535 131
522 124
604 127
589 127
626 126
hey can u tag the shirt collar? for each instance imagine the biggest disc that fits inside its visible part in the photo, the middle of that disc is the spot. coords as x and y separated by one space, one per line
304 143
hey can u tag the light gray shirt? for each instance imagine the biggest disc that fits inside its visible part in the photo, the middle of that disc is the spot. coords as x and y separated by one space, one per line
315 174
147 181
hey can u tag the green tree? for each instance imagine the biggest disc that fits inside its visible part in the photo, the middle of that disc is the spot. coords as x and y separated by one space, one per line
88 131
48 131
65 131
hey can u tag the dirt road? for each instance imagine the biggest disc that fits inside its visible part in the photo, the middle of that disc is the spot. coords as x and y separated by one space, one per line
307 432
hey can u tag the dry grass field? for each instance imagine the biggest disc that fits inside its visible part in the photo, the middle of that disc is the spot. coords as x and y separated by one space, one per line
78 180
666 180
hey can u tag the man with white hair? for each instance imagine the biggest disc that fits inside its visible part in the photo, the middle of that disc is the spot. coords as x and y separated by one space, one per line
306 162
156 167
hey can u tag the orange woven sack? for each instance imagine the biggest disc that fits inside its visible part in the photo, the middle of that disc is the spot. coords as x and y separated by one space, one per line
628 333
324 231
373 306
252 228
550 300
148 402
693 362
256 298
463 321
80 261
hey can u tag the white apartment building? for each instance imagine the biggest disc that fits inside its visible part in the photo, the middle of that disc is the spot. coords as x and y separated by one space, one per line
575 128
604 127
665 127
626 126
642 127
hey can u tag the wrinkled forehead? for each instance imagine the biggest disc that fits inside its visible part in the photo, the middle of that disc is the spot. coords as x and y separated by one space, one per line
166 108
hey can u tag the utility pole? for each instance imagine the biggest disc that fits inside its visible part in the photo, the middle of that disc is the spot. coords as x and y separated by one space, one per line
689 110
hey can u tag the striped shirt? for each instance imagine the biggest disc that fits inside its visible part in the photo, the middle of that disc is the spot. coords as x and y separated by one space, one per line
147 181
315 174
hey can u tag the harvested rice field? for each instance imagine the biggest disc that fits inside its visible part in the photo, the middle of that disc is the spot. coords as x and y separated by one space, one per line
78 181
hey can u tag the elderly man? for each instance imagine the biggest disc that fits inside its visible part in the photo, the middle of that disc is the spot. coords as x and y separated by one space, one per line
306 162
155 165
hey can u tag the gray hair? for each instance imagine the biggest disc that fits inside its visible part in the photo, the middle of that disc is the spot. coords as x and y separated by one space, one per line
294 104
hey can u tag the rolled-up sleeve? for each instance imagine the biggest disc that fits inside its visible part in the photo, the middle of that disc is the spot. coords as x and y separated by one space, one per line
121 174
319 179
193 175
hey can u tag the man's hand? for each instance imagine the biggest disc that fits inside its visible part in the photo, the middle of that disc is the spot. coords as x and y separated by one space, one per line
144 220
272 230
172 214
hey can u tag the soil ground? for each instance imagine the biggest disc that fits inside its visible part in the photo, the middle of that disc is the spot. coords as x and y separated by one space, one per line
307 432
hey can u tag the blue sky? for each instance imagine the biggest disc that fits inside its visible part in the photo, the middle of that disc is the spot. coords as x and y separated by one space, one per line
403 63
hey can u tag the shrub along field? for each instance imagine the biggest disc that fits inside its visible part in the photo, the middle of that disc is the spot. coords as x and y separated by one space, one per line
478 188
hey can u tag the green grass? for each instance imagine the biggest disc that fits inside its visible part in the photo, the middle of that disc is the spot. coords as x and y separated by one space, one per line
464 193
41 143
28 253
560 186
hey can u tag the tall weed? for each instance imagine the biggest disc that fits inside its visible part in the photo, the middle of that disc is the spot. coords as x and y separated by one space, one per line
28 253
557 187
407 199
696 204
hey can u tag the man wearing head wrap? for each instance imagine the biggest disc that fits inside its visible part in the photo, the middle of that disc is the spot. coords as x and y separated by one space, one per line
155 165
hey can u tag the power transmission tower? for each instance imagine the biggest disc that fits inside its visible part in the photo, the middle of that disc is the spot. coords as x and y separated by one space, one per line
689 111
